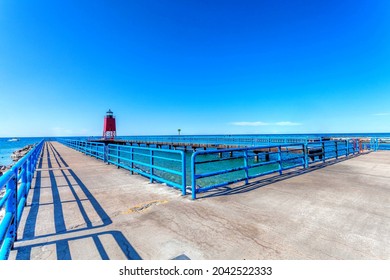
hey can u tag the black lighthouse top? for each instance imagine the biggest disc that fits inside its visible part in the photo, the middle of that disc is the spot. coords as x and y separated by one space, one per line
109 113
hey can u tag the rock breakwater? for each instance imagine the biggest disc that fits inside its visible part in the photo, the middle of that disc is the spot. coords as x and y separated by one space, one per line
16 155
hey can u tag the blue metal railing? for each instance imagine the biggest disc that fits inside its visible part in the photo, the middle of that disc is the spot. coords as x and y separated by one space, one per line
382 143
373 143
243 164
317 152
17 183
224 140
162 165
93 149
215 169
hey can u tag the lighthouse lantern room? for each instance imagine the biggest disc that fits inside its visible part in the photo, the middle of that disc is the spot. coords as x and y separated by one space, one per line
109 129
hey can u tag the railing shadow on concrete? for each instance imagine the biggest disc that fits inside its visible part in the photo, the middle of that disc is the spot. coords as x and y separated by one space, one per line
23 252
63 249
271 179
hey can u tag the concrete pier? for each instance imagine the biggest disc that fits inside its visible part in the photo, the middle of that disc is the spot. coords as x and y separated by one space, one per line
81 208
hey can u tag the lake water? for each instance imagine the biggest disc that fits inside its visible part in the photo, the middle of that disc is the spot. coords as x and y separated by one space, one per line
8 147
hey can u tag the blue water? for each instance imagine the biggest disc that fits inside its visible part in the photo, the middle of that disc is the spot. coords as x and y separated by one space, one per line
254 139
7 147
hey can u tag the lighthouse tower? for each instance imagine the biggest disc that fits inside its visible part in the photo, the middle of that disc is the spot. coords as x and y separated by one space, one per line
109 129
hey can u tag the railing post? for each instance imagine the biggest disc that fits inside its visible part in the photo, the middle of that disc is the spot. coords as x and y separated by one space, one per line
25 178
104 153
306 161
280 160
118 154
323 151
30 167
246 164
184 173
12 206
107 152
193 175
132 159
151 162
336 149
346 148
10 231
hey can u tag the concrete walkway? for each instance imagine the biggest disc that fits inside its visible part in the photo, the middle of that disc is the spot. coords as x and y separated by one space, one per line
81 208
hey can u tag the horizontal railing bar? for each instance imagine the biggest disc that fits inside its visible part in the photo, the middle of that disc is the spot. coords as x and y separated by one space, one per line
240 149
144 155
210 174
167 159
218 160
4 199
148 165
5 224
147 149
259 164
264 173
20 207
139 171
21 190
204 189
7 243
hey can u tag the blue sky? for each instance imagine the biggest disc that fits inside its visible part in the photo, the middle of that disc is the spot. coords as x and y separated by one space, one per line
207 67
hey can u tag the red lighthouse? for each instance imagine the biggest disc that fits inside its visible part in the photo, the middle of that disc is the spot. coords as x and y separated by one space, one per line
109 129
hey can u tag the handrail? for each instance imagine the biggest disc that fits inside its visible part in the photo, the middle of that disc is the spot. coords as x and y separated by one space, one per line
160 165
276 158
148 162
383 143
243 164
93 149
17 182
224 140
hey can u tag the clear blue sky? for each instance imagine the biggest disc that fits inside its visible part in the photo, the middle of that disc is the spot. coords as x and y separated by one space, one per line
207 67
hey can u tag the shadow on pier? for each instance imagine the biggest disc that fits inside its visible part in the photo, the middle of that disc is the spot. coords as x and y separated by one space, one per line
61 199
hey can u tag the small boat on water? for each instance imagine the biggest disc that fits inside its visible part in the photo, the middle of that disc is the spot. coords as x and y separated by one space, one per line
13 140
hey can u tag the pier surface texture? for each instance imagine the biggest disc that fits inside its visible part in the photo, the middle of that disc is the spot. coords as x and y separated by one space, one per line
81 208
